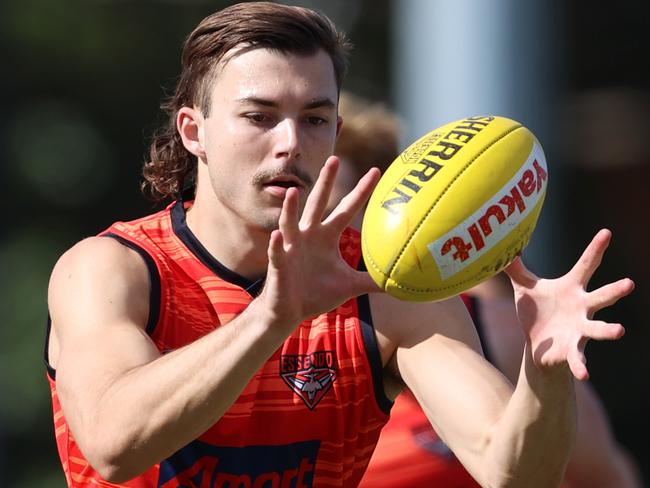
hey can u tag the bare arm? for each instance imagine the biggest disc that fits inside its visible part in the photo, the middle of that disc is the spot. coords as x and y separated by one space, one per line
597 461
497 434
128 407
522 438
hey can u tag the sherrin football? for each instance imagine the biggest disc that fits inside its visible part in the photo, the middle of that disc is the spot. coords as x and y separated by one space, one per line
455 208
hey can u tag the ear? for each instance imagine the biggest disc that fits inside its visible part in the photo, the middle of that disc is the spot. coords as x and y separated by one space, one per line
339 124
190 123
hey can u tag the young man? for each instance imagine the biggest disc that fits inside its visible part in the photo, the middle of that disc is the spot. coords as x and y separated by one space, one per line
227 340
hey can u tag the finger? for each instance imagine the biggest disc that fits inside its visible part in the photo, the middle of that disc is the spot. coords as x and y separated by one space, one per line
320 194
275 250
288 223
604 331
591 258
520 275
609 294
354 201
578 364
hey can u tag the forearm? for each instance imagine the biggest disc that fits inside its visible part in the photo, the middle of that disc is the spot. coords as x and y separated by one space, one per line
533 439
150 411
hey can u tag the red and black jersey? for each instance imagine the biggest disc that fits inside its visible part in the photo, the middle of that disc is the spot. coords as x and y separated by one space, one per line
409 452
311 416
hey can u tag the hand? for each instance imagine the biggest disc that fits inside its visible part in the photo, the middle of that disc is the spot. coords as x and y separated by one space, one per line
306 274
557 314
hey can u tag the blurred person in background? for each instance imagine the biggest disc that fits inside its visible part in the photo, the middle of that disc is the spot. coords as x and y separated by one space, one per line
409 452
228 339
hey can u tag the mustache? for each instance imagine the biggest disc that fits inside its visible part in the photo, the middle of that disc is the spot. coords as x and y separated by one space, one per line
264 176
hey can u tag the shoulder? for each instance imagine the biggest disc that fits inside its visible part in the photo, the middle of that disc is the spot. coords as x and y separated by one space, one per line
96 255
100 273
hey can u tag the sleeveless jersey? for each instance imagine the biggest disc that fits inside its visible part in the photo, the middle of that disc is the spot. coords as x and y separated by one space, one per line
409 452
311 416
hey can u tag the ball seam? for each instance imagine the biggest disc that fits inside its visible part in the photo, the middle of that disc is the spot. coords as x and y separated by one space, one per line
424 218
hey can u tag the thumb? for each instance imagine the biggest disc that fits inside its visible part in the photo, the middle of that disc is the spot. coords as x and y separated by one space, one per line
520 275
363 284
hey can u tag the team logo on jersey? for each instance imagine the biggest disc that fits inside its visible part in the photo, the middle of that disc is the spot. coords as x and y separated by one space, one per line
310 376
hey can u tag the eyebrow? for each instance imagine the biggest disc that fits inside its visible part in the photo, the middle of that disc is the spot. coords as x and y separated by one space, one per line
315 103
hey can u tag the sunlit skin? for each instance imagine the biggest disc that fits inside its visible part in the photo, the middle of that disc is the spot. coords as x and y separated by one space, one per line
272 125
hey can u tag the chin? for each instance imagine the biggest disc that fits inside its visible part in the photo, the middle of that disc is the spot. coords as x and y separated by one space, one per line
267 223
269 226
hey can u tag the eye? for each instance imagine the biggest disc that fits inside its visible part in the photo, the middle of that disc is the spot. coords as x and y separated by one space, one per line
314 120
257 117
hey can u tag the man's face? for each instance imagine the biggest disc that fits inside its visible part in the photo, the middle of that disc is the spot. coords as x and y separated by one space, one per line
272 124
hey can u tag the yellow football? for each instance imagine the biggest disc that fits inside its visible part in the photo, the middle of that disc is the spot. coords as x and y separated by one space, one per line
455 208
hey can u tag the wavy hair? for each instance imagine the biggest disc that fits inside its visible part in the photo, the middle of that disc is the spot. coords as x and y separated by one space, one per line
248 26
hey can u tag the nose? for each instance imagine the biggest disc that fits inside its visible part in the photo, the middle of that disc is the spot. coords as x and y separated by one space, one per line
287 144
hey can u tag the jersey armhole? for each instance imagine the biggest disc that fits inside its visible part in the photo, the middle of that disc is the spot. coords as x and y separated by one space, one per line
51 372
154 280
154 298
372 349
474 308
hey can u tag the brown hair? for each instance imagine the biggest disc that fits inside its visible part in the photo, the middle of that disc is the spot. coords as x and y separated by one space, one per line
370 135
251 25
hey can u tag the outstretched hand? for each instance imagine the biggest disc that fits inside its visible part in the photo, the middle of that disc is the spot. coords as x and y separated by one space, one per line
557 314
306 274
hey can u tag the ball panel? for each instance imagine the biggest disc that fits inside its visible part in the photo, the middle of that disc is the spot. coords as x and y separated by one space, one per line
492 262
485 175
491 223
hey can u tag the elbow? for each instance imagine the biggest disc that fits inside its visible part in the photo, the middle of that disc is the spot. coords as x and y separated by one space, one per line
112 472
115 470
114 462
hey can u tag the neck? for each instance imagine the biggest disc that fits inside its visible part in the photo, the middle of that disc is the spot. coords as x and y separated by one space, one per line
239 247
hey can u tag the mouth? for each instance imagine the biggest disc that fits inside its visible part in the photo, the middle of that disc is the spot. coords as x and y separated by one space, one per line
285 182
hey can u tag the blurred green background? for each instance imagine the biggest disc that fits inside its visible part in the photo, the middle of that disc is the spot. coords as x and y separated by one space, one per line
81 85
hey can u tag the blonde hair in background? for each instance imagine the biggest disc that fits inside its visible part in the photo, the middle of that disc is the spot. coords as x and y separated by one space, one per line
370 135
